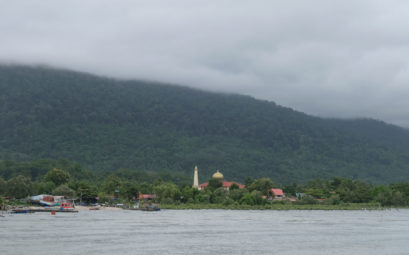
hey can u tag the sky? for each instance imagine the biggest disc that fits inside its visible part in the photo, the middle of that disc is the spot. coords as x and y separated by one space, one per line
343 59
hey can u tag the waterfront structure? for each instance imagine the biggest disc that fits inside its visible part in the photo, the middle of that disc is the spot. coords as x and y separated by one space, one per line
196 179
225 184
47 200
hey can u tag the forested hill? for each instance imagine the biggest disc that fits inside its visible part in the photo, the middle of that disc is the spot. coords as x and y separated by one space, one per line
106 124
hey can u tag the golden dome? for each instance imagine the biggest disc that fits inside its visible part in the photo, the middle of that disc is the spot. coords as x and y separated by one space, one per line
217 175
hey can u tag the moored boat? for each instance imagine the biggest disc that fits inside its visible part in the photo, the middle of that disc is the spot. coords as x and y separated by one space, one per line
149 208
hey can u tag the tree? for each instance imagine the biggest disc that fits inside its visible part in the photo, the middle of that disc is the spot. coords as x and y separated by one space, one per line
63 190
111 184
167 192
291 190
204 196
189 194
248 181
43 187
252 198
145 188
264 185
2 186
219 196
307 200
19 187
354 191
234 186
129 190
214 184
403 189
237 194
57 176
316 193
87 192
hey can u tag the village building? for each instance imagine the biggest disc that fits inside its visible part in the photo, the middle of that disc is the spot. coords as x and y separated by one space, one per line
216 176
147 197
278 194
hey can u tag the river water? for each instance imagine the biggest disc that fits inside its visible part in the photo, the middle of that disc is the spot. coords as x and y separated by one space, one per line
207 232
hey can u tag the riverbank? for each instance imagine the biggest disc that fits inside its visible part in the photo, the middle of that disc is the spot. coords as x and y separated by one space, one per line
77 208
362 206
100 208
274 206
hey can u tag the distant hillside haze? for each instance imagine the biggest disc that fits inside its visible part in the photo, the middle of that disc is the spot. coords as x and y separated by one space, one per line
107 124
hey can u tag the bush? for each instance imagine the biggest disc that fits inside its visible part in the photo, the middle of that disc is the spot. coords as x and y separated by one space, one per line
333 200
306 200
253 198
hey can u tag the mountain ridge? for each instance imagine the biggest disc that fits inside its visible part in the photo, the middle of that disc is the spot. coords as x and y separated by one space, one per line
107 124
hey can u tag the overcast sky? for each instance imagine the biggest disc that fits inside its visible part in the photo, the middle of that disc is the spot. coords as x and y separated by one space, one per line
327 58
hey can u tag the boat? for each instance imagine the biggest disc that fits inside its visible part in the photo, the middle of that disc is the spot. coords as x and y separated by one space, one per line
66 207
149 208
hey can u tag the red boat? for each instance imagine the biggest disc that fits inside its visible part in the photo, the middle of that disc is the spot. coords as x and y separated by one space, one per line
66 207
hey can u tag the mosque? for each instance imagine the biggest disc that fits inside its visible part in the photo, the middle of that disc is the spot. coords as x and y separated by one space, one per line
217 176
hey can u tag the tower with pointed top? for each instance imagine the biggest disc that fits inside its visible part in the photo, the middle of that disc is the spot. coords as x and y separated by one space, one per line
196 179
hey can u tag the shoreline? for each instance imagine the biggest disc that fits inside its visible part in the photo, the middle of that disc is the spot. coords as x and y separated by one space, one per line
96 208
278 207
273 207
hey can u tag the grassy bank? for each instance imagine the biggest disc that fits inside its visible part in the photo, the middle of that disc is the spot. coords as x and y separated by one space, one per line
351 206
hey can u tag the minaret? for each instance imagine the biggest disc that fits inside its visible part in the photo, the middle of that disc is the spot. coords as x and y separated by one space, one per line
196 179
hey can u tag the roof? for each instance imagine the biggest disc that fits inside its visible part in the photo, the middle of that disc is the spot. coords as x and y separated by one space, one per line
277 192
217 175
147 196
224 184
229 184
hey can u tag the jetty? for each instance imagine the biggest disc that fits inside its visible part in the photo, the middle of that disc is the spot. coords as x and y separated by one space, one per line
33 210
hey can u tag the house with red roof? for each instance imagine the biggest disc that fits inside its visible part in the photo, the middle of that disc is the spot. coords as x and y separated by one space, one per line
147 197
278 194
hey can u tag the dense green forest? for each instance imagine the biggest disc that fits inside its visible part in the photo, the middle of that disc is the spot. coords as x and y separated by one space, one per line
20 179
107 124
60 177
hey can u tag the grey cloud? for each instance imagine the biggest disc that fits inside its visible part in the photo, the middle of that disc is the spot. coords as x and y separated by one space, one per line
327 58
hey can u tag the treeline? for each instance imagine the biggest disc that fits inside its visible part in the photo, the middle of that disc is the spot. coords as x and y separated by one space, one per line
61 177
336 191
107 124
343 190
71 180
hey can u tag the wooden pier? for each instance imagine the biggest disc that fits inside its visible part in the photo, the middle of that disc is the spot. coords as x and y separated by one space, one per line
33 210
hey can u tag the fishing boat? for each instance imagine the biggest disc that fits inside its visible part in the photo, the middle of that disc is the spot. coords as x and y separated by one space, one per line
149 208
66 207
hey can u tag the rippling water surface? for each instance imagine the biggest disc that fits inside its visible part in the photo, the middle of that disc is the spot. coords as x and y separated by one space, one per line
207 232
